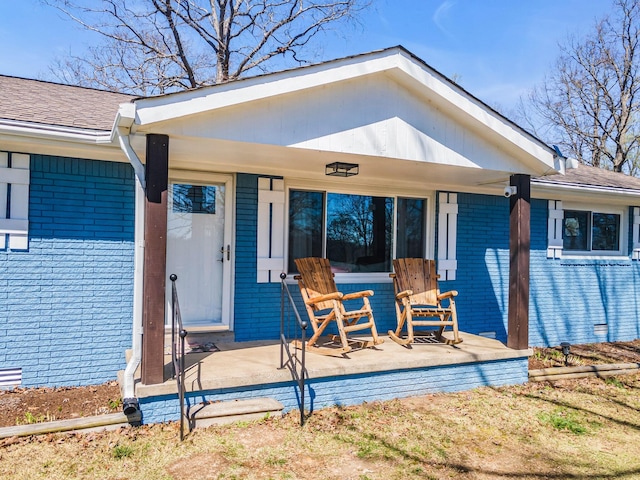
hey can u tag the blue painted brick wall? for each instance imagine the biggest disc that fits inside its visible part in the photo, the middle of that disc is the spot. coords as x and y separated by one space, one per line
68 299
482 277
348 389
256 305
569 296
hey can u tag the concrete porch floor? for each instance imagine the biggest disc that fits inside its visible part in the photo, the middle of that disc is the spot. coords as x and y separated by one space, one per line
256 363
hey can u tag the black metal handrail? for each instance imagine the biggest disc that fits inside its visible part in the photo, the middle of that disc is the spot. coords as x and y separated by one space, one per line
295 364
178 335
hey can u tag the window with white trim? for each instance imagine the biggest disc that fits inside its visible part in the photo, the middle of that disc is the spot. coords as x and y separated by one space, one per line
592 230
588 231
356 232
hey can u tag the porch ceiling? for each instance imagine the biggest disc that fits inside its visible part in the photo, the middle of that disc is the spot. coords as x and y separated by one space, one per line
210 155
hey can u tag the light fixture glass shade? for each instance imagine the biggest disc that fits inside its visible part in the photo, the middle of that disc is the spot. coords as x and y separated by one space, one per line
341 169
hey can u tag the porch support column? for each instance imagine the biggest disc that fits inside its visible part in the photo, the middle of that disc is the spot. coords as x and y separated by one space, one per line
155 234
519 254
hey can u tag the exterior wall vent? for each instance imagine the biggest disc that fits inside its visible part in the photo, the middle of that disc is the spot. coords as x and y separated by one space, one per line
10 377
601 329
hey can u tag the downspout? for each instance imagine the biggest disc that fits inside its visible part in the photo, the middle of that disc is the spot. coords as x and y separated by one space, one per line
122 129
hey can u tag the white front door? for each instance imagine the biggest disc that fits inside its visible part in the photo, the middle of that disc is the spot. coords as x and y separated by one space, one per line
199 249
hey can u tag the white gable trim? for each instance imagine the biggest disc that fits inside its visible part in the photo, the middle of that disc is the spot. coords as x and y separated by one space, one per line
14 200
396 63
271 201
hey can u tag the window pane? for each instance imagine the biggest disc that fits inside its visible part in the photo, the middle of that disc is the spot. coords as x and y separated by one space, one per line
194 199
305 225
606 228
359 232
576 230
410 234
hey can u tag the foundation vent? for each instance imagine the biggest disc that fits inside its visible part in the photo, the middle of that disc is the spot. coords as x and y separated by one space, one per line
601 329
10 377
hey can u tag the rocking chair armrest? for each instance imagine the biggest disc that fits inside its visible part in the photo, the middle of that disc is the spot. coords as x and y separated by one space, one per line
404 294
451 294
325 298
355 295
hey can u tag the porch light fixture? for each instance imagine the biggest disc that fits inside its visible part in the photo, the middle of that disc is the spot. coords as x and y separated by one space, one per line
566 350
341 169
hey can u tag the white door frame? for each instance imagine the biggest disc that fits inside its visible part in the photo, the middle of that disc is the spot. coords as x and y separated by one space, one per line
228 270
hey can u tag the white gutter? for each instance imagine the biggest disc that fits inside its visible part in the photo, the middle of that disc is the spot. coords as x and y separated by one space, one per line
584 189
125 118
122 129
54 132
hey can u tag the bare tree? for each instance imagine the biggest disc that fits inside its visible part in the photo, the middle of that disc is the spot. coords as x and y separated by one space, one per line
159 46
589 103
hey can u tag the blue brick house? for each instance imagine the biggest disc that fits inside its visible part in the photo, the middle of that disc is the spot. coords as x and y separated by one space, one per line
103 196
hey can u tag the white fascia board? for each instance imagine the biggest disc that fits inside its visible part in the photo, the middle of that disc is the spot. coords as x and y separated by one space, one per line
54 132
61 141
168 107
472 108
619 196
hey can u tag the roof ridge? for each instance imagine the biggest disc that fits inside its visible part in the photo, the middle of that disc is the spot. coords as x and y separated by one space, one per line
60 84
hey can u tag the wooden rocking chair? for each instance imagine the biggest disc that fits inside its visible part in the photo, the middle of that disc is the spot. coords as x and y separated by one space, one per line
325 304
419 301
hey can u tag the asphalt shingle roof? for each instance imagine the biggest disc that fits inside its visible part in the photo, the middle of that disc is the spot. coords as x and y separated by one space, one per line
586 175
49 103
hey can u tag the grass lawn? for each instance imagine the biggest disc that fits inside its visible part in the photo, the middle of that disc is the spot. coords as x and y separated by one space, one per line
587 428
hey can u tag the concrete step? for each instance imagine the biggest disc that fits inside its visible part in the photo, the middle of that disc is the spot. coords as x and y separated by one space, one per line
218 413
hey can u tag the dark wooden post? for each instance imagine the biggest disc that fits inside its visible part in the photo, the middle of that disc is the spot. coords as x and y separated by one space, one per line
155 265
519 250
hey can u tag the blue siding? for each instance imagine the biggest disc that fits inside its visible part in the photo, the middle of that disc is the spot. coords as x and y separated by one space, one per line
68 299
347 390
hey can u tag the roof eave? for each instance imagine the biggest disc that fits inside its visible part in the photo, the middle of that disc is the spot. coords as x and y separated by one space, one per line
38 130
58 140
585 190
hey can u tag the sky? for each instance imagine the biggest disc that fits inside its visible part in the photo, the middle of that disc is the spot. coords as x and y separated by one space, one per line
496 49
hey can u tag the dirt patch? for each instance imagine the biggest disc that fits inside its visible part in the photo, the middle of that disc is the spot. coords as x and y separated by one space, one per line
23 406
30 405
586 428
587 354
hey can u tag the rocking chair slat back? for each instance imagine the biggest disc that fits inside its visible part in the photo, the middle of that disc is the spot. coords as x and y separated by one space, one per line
317 279
325 306
418 276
